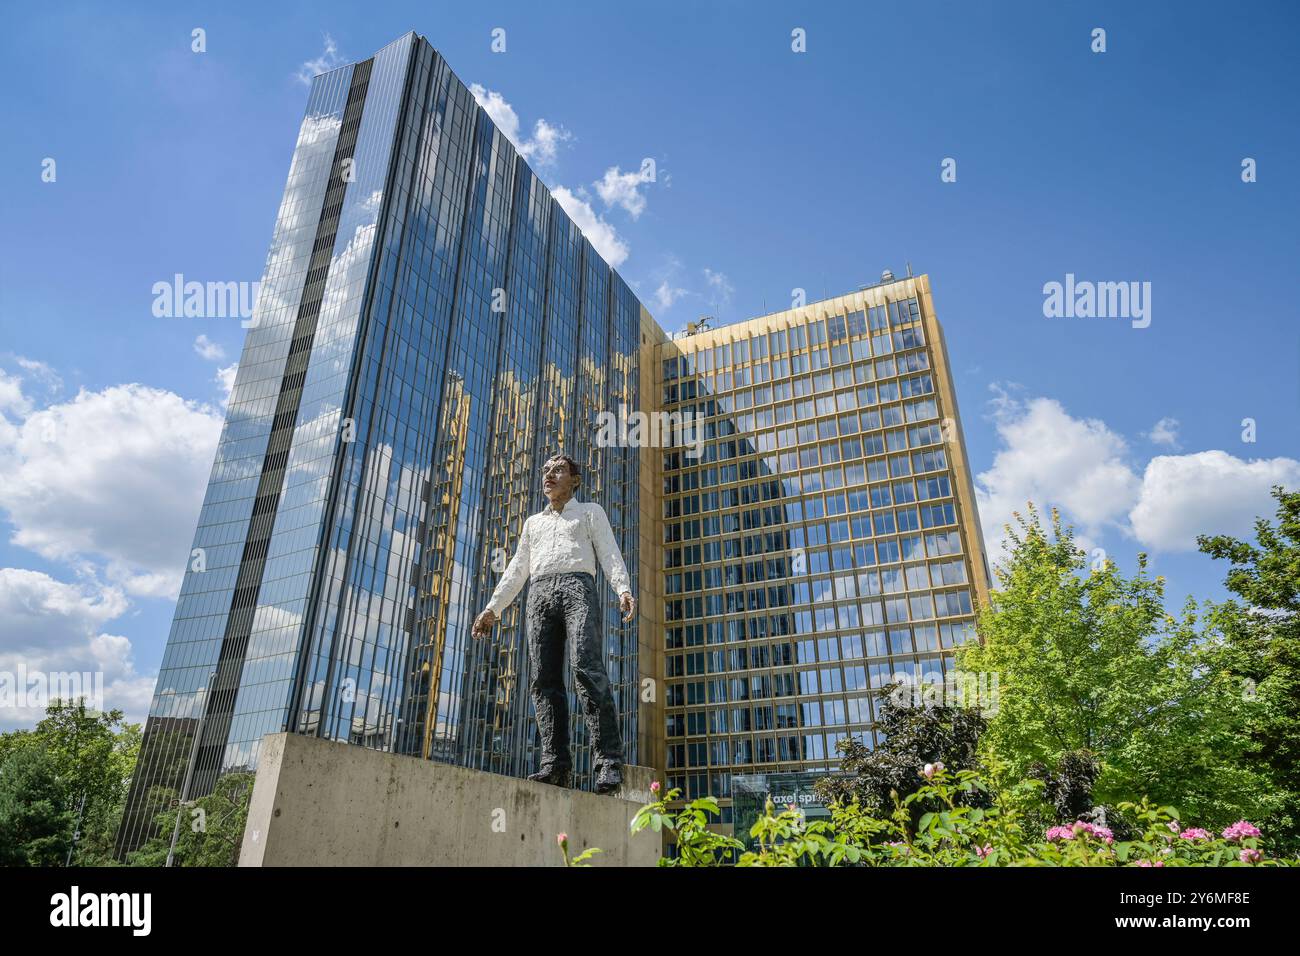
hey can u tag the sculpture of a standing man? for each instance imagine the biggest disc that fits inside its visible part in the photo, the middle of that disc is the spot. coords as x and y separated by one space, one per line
558 550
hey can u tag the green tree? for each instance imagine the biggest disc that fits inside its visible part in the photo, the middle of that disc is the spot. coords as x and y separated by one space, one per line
89 755
1088 660
212 826
35 822
913 736
1262 655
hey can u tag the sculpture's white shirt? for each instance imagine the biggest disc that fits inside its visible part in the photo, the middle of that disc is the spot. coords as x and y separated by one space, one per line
555 542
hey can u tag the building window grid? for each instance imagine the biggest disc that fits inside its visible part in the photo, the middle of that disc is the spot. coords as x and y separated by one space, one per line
911 371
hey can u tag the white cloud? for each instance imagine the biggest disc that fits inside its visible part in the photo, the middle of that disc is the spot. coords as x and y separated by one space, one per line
208 349
618 188
500 112
666 295
1054 460
614 188
111 478
12 399
1164 432
723 290
53 627
1081 466
1210 492
664 280
542 148
225 377
70 613
599 232
327 61
41 372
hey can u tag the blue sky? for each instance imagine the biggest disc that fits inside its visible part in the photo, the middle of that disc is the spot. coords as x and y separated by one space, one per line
776 170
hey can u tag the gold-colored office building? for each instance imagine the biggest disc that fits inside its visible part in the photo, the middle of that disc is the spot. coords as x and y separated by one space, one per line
825 540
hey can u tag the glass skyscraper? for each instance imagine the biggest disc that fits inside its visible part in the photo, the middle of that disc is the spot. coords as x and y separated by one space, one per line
431 326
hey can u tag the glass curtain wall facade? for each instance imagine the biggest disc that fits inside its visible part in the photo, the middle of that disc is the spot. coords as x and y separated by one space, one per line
826 540
431 326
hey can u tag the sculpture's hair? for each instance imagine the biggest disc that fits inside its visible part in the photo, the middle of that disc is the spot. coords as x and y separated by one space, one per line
573 465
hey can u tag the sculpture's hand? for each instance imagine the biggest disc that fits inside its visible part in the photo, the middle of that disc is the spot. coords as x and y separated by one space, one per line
627 604
483 623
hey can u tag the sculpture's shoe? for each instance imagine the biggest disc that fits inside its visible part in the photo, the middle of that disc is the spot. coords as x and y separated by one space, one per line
609 779
557 776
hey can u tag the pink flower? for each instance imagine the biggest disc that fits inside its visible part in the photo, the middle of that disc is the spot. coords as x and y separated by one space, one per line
1250 856
1173 826
931 769
1194 833
1149 863
561 838
1080 828
983 851
654 787
1240 831
1101 833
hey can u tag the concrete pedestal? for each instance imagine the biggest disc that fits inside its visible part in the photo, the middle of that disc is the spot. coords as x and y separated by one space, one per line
320 803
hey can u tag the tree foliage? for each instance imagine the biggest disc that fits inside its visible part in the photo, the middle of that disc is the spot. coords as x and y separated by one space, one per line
35 822
72 754
1089 660
957 832
912 737
1262 652
211 826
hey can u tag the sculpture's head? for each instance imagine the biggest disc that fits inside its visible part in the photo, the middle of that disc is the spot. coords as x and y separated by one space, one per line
560 478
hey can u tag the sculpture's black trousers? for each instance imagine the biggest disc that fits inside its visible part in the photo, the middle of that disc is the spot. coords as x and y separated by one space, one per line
564 608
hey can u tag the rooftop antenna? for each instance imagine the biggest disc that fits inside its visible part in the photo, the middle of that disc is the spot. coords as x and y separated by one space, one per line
909 270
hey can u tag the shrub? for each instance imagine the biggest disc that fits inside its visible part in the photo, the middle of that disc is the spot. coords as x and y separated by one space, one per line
955 833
